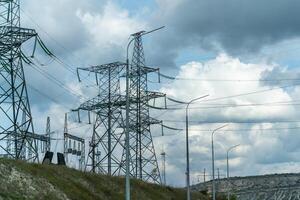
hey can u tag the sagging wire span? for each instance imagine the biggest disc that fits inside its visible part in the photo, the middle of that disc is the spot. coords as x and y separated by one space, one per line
168 127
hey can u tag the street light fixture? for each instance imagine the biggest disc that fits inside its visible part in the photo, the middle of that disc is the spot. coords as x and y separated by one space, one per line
213 160
227 156
187 145
127 182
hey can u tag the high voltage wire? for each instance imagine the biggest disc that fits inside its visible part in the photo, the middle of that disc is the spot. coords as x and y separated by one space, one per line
63 104
72 128
56 81
227 80
52 38
234 122
55 58
237 106
237 130
250 104
246 129
43 94
247 93
249 129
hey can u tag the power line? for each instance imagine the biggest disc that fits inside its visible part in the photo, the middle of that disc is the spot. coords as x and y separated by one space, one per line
249 129
56 81
234 122
45 95
54 57
237 106
226 80
49 36
247 93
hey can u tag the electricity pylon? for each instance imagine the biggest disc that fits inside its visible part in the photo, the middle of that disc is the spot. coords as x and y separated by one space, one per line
106 146
143 161
163 157
16 127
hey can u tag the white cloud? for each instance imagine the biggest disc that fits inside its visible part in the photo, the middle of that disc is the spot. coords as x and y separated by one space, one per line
111 27
258 146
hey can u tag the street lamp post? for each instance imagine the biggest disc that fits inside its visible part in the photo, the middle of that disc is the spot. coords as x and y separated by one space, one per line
213 160
187 145
227 156
127 181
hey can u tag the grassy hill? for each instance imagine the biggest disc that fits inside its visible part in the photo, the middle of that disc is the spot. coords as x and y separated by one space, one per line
20 180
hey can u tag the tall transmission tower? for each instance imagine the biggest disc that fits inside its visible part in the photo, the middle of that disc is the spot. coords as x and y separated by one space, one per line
143 161
16 128
106 146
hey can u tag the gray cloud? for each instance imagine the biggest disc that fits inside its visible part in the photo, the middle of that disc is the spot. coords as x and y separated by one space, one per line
234 26
279 76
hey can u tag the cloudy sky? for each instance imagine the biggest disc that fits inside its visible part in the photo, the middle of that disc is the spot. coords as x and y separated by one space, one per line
244 54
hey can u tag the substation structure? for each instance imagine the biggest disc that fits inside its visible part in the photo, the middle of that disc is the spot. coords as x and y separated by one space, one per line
17 137
73 146
107 146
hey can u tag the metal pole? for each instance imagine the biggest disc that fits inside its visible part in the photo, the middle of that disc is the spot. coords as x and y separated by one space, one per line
204 175
188 195
127 184
227 178
213 167
213 161
227 156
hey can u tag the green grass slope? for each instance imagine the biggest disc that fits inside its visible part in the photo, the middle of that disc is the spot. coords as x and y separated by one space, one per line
20 180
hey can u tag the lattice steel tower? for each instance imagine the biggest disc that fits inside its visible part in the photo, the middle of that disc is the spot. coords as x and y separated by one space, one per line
107 144
16 125
143 161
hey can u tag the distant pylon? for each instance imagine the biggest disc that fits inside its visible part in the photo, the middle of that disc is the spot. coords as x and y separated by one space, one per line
163 156
66 144
48 135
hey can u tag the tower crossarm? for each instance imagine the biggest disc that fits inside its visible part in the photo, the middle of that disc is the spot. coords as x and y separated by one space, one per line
153 121
154 95
15 36
146 121
73 137
100 69
142 70
31 135
147 96
115 67
100 103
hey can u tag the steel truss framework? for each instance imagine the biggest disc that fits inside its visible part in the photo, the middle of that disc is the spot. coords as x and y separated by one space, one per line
107 142
17 138
73 145
143 161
